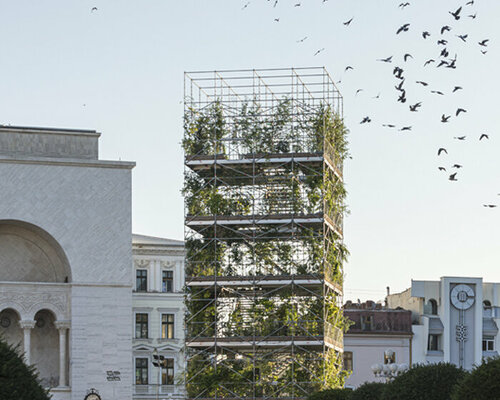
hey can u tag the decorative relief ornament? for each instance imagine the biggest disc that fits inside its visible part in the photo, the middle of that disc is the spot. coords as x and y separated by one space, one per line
461 333
462 296
142 263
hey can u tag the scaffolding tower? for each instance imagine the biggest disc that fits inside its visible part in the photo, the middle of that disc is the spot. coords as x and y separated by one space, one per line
264 199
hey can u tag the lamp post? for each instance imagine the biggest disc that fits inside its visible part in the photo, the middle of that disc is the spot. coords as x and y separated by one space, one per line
389 370
160 362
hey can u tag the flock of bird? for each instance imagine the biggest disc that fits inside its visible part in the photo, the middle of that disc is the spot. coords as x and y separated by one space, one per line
443 60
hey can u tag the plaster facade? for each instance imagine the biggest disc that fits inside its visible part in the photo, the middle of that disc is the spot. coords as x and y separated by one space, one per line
65 279
450 325
158 314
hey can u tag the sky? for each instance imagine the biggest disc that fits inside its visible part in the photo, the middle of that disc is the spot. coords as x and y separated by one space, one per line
119 69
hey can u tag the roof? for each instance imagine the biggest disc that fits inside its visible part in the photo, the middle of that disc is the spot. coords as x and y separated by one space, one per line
155 241
48 130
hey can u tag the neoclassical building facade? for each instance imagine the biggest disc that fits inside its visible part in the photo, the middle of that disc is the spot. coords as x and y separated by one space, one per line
65 256
158 315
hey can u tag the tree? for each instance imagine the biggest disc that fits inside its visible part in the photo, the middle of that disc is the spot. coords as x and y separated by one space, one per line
369 391
17 380
425 382
331 394
482 383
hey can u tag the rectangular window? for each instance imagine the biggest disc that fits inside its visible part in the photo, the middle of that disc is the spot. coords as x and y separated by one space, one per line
167 326
167 281
433 342
167 375
141 326
141 371
488 343
141 280
366 322
348 361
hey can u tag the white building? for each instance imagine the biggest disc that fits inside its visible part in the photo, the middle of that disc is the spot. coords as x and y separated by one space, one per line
455 319
65 257
158 308
375 329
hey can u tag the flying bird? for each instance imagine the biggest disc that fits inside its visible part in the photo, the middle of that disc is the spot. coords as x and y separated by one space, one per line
296 5
445 52
457 88
425 34
457 166
445 28
437 92
415 107
386 60
402 97
348 68
347 23
459 110
470 3
456 14
301 40
422 83
428 62
93 9
453 177
473 16
445 118
388 125
319 51
442 42
484 136
407 56
489 205
403 5
366 120
441 63
463 37
441 150
405 128
404 28
276 20
359 90
246 5
400 86
460 137
484 42
442 168
484 51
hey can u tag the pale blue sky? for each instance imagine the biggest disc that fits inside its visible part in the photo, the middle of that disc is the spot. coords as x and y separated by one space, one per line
120 71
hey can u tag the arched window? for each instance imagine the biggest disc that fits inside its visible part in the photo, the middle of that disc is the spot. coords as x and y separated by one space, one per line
433 307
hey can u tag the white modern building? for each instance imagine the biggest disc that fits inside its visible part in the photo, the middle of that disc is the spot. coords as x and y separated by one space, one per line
65 257
455 319
158 315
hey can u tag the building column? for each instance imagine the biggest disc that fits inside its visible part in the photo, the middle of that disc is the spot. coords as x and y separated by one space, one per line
27 326
63 327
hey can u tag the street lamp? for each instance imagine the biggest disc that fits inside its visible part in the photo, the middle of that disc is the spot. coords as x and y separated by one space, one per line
160 362
389 370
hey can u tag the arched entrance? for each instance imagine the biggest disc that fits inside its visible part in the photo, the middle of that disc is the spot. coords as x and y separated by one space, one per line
35 298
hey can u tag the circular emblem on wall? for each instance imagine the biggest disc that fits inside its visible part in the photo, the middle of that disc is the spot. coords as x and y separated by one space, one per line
462 296
93 395
5 322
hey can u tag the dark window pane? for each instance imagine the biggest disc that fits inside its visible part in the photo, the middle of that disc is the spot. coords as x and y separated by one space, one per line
141 371
141 280
167 281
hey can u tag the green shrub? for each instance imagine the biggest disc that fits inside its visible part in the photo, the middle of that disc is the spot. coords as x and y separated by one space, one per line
17 380
482 383
425 382
331 394
369 391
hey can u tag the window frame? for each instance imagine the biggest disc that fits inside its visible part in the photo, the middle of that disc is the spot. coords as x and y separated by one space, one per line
437 342
136 314
164 274
142 368
143 278
487 340
168 373
167 324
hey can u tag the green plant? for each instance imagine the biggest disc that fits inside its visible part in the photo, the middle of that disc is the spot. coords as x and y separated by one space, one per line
17 380
369 391
425 382
331 394
483 383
